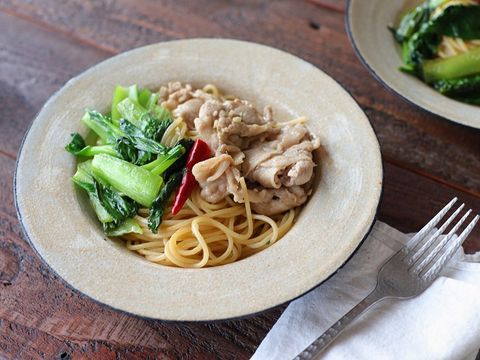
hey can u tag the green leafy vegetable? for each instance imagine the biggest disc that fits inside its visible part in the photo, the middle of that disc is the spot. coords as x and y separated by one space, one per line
459 87
120 143
126 141
156 128
78 147
89 151
453 67
421 46
138 138
152 101
144 97
102 126
152 122
133 112
127 151
163 162
182 160
118 206
420 32
411 22
460 21
160 113
84 179
76 144
133 92
119 94
111 207
126 227
137 183
158 205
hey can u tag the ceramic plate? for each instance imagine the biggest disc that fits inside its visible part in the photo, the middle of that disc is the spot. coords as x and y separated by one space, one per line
57 220
367 25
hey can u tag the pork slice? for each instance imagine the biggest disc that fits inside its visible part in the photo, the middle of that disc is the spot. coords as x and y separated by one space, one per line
243 110
286 160
188 111
218 178
234 123
299 173
291 135
208 113
276 201
232 150
233 130
263 151
174 94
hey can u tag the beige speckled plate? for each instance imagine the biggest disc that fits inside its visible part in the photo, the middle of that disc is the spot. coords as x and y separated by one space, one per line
57 221
367 25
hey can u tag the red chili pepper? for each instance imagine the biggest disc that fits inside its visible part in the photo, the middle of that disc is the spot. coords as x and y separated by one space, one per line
200 151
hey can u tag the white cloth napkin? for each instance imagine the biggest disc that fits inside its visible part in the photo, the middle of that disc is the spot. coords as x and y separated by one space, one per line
441 323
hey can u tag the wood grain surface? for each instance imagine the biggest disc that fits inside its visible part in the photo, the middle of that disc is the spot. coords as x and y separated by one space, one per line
43 43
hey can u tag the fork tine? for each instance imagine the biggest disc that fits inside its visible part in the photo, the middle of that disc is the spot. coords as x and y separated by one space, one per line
417 268
415 255
436 266
413 242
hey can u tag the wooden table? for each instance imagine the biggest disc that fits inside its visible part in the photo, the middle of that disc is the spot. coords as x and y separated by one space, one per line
43 43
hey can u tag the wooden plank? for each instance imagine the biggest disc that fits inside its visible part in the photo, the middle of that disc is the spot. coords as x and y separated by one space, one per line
34 63
335 5
407 134
124 24
410 201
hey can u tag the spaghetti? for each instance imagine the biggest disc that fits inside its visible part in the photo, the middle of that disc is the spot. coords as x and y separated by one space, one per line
204 234
455 46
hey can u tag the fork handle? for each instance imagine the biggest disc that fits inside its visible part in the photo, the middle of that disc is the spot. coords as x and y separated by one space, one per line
321 343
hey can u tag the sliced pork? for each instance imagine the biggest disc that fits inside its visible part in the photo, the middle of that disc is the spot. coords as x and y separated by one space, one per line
234 123
188 111
218 178
276 201
283 161
275 160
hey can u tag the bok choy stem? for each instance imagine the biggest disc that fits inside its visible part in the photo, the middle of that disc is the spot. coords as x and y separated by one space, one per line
137 183
163 162
453 67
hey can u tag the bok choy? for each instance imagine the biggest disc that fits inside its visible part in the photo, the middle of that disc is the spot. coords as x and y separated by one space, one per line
123 163
443 24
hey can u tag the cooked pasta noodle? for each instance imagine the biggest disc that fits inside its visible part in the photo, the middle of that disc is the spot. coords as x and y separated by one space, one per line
455 46
300 120
211 89
204 234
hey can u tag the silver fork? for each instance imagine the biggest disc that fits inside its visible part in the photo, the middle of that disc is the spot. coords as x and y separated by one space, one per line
407 273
